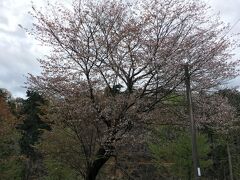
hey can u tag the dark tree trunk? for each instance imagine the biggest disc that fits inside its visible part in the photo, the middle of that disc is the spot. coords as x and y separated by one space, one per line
101 158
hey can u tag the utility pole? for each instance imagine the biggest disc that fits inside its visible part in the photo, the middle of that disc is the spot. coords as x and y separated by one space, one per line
196 167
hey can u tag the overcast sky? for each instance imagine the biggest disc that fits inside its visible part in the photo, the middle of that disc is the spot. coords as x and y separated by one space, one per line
18 51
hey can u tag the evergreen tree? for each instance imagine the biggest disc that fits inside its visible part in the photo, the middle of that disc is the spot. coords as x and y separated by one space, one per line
31 130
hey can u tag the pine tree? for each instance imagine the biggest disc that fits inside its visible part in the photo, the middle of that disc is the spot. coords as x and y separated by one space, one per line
31 130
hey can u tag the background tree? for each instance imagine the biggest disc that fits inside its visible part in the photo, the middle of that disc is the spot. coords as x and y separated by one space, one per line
31 130
231 138
10 161
140 46
214 117
171 150
61 155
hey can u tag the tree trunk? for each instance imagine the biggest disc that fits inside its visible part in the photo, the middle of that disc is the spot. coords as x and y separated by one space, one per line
97 164
229 162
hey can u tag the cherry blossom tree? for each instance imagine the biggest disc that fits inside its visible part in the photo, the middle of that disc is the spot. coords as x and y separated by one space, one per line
113 62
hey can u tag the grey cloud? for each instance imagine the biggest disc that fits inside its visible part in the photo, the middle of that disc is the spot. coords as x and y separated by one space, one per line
229 10
18 51
16 60
18 33
3 20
